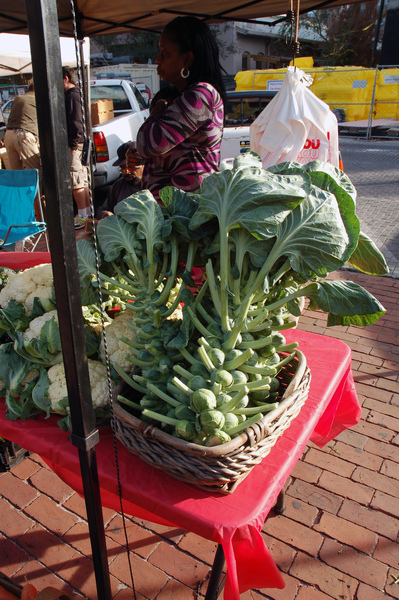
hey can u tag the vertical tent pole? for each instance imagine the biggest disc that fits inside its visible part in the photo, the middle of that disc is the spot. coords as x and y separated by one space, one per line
46 63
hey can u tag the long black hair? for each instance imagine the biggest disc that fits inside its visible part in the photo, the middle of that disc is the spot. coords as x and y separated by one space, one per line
190 33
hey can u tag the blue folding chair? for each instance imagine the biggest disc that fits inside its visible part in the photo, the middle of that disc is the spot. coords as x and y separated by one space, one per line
18 190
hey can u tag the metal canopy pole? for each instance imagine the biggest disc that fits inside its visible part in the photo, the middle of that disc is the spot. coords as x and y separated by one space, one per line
42 21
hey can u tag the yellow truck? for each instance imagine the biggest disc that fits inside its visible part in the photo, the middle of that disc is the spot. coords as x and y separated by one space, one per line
353 93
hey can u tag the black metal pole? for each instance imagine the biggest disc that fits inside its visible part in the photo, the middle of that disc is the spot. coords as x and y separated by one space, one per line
42 21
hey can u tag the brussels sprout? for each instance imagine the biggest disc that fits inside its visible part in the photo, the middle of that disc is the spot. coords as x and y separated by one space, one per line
184 412
197 382
253 360
278 340
260 395
186 429
217 357
203 399
222 399
215 330
247 337
216 438
272 360
274 384
232 354
210 420
242 403
231 420
145 356
225 378
200 369
267 351
239 376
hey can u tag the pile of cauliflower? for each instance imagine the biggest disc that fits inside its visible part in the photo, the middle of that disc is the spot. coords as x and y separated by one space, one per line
32 366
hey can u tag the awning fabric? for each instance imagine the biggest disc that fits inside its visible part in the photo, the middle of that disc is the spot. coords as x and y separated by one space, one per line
102 17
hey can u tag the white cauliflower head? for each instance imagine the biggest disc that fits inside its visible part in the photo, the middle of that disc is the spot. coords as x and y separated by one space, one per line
57 390
25 286
35 326
117 350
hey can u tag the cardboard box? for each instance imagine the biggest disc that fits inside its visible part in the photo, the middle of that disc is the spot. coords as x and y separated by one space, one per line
101 111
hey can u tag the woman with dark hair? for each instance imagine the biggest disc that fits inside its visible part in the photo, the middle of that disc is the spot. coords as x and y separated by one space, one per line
180 141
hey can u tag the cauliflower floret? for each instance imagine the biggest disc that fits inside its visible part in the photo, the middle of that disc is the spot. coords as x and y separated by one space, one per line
35 326
117 349
98 384
25 286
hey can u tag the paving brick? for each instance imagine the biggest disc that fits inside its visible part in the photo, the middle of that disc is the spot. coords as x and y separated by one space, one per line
13 522
370 391
354 563
174 590
198 547
41 577
382 407
46 547
358 456
315 496
390 468
376 521
366 359
148 580
373 431
287 593
380 448
309 593
12 557
330 462
306 472
282 554
25 469
15 490
141 541
48 483
352 438
178 565
349 533
78 537
366 592
56 518
387 551
383 420
328 580
346 488
300 511
294 534
391 587
387 384
377 481
386 503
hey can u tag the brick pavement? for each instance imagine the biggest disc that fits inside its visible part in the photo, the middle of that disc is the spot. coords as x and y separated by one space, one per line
337 540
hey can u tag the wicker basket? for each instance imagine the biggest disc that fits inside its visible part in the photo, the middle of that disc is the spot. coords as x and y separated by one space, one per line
219 468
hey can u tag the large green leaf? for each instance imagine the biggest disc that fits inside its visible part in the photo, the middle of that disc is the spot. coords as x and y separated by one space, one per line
327 177
245 197
367 258
346 303
116 236
312 236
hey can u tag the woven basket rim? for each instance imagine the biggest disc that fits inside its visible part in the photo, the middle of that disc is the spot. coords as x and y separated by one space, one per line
222 449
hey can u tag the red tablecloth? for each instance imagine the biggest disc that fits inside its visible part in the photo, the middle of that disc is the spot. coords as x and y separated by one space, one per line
233 520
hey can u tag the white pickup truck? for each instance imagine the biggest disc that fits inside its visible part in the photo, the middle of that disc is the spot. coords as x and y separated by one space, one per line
130 112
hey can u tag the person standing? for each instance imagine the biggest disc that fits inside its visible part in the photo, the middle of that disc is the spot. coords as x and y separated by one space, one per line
80 186
21 136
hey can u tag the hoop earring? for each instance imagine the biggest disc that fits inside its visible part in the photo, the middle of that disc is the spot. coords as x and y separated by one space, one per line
182 73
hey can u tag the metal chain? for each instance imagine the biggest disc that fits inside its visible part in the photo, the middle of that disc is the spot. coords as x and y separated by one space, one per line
100 299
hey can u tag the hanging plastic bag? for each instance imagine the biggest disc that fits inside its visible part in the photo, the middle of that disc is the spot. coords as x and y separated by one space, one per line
296 125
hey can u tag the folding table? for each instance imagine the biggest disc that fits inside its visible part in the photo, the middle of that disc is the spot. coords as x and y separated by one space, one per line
234 520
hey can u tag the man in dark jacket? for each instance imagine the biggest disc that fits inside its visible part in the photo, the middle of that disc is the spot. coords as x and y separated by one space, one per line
80 188
125 186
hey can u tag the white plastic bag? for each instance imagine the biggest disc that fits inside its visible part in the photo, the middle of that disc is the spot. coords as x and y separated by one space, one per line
295 125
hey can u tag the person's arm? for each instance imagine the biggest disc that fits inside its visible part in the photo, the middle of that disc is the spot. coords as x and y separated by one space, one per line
74 119
169 125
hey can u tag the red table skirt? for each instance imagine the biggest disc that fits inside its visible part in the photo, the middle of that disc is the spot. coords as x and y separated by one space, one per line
233 520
